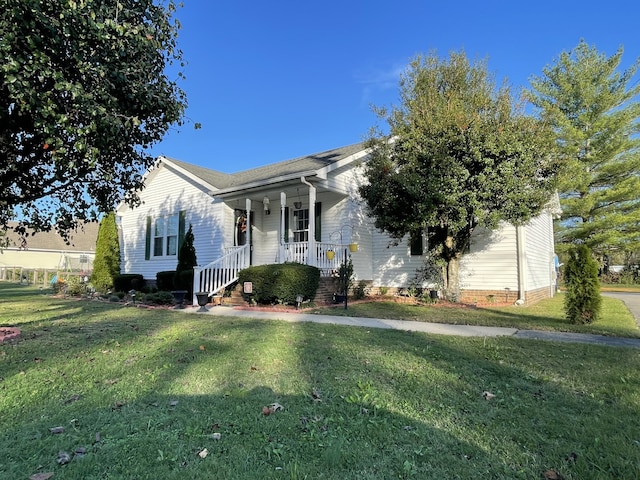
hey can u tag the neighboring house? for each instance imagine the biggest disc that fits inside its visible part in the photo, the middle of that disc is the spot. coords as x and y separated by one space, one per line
49 251
302 210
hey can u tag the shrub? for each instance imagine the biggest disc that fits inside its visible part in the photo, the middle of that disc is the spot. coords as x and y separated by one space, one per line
75 286
280 283
159 298
582 301
107 261
128 281
164 280
359 291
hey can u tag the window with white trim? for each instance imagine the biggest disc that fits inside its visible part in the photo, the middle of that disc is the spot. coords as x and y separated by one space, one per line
165 236
301 225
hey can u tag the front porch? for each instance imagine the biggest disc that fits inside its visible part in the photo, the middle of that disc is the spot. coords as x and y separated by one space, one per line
293 234
217 275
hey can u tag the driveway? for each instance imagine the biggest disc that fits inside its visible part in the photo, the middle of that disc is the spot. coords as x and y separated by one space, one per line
630 299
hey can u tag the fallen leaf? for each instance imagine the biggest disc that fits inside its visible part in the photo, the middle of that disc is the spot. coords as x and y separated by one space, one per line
203 453
487 395
253 368
315 394
119 404
56 430
41 476
202 347
266 411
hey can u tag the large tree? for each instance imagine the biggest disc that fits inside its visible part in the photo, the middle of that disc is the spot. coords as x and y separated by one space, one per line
595 111
83 94
459 153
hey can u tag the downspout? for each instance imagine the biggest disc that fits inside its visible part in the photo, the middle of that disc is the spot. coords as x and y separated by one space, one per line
522 265
249 221
311 260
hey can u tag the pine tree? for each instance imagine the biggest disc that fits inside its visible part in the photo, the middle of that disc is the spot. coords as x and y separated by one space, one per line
595 111
107 261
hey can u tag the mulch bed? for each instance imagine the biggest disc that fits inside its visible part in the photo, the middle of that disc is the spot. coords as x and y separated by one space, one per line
7 333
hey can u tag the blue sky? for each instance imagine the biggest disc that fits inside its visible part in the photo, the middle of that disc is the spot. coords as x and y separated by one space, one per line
270 81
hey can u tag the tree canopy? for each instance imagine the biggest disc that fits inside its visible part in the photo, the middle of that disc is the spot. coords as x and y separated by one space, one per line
460 152
84 93
595 112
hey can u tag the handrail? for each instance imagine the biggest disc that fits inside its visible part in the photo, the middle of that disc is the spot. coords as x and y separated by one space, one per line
221 272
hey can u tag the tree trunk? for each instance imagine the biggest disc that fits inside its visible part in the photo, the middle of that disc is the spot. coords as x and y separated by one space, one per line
452 279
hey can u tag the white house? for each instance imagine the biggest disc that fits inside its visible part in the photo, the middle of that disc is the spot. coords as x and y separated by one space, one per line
308 210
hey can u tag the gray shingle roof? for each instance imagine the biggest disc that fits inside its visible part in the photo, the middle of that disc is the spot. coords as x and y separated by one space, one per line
288 167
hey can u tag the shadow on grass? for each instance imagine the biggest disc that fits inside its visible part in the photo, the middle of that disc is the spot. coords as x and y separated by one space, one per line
358 403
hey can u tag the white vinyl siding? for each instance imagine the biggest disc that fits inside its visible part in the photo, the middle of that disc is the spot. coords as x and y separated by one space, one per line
167 194
491 263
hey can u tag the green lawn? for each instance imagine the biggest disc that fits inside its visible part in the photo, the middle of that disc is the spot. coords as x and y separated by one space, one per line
143 392
546 315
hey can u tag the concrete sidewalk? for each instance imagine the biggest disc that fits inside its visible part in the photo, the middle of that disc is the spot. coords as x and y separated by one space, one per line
425 327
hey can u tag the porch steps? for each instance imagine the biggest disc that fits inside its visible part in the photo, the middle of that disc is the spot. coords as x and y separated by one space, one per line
326 289
235 298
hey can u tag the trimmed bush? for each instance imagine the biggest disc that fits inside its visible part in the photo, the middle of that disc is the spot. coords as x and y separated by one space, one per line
280 283
159 298
164 280
582 302
128 281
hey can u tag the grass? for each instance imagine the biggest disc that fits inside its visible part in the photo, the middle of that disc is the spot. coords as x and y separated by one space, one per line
144 392
545 315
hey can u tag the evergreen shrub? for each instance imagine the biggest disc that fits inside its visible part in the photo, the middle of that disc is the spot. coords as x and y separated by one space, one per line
582 301
280 283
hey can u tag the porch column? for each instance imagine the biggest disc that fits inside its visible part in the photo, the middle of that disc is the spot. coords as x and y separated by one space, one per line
313 255
249 222
283 205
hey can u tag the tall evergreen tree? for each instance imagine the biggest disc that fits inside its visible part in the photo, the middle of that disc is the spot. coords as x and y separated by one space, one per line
107 261
186 261
595 111
460 153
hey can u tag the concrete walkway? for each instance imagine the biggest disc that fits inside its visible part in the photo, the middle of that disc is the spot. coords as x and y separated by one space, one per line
437 328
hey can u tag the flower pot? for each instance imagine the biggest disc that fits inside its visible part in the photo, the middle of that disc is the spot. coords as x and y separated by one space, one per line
178 297
203 299
353 247
330 254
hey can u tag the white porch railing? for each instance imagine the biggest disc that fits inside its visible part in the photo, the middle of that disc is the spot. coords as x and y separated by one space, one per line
299 252
222 272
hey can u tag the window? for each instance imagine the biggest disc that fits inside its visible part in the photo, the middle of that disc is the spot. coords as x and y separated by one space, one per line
416 245
165 236
301 225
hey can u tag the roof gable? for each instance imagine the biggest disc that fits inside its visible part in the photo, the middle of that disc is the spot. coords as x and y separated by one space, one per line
314 162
